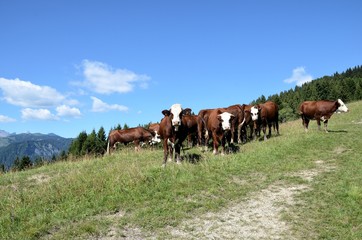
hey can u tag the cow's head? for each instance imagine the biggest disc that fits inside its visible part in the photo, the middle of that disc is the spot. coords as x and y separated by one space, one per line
225 119
254 112
175 113
342 107
156 139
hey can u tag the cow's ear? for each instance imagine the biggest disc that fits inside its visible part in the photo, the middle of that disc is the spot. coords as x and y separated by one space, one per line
166 112
246 111
186 111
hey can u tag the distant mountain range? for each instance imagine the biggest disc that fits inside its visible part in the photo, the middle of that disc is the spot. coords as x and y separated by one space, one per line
33 145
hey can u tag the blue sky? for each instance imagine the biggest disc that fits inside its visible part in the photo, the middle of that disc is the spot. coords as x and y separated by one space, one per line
71 66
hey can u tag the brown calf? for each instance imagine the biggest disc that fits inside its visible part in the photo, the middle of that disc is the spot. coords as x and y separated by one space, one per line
136 135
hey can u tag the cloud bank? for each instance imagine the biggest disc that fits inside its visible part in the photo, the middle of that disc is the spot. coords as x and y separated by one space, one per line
5 119
25 94
100 106
299 76
103 79
37 114
36 100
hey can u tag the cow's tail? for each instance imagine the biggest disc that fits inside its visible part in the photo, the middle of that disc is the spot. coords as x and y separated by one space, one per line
241 124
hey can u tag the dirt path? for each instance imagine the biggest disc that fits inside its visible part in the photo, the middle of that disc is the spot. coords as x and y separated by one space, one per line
259 217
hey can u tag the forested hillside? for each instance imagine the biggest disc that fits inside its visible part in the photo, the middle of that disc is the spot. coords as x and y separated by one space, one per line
346 85
34 146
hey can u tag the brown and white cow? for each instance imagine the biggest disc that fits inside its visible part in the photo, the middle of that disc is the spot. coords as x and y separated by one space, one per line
265 114
320 111
125 136
219 126
172 132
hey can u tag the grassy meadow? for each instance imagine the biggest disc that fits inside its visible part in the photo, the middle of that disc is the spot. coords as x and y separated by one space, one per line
84 199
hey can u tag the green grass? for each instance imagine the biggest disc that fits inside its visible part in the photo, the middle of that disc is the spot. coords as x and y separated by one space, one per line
85 198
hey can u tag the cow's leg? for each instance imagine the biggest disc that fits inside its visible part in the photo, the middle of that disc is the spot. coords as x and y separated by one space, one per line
319 124
305 124
232 133
251 132
165 152
243 135
277 126
207 135
200 128
171 146
264 130
239 133
215 143
255 126
223 144
136 145
270 129
170 153
325 125
177 153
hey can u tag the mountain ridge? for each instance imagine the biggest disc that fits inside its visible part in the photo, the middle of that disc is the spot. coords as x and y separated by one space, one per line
33 145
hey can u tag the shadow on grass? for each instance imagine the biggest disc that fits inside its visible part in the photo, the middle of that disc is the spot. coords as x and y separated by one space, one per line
191 158
337 131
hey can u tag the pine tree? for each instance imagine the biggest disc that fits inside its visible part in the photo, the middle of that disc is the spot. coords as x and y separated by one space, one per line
77 144
101 143
24 163
88 146
63 156
38 162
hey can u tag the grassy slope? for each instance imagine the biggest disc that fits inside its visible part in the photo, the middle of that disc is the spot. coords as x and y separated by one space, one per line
71 199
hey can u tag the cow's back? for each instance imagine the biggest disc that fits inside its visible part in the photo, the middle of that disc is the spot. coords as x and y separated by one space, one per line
236 110
190 122
204 115
307 107
154 127
270 111
145 133
213 123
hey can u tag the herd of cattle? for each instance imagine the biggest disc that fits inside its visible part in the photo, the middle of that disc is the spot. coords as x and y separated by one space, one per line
222 125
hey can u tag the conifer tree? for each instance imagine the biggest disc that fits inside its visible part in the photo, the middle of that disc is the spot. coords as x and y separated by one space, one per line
89 145
101 143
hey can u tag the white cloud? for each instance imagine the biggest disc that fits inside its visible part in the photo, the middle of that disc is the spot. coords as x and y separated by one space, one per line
5 119
101 78
299 76
100 106
66 111
37 114
25 94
